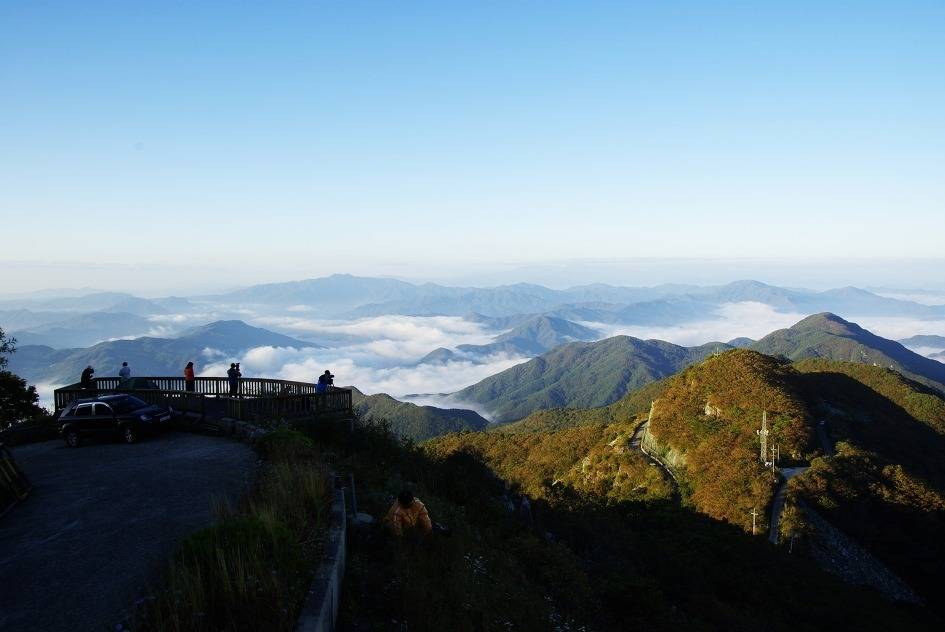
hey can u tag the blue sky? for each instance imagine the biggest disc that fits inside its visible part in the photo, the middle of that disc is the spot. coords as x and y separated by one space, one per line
249 141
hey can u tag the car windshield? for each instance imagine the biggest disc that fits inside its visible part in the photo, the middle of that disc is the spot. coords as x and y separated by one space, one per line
128 404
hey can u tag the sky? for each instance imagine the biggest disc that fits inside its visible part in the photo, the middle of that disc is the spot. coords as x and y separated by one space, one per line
154 145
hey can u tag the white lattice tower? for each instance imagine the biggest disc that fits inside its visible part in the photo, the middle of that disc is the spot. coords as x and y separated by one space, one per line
763 434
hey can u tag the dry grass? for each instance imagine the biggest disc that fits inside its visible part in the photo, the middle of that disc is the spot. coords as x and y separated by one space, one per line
251 569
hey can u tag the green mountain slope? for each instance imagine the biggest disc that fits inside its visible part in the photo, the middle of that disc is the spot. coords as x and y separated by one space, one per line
704 426
581 375
827 335
884 488
594 495
413 421
886 484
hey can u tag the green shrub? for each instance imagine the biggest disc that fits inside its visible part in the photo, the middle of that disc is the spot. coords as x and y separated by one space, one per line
241 574
252 569
285 445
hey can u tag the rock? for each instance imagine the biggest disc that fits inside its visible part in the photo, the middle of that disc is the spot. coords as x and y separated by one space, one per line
361 519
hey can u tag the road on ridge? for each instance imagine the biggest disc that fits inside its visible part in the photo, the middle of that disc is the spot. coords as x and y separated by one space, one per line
101 522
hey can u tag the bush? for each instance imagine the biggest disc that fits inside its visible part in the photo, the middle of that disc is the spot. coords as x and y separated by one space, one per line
241 574
285 445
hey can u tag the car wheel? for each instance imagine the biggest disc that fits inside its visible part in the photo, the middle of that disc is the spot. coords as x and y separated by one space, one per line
129 434
73 439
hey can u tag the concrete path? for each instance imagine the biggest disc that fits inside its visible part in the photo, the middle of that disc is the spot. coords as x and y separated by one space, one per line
101 522
777 505
636 443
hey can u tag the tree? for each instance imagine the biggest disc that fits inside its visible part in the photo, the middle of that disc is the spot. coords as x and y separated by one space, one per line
18 401
7 346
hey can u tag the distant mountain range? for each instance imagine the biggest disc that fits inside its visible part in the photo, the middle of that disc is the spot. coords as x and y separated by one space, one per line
346 296
83 330
499 308
413 421
926 341
98 302
146 356
530 338
599 373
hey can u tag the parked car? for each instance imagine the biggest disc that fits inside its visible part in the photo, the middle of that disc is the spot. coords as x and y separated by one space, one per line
124 415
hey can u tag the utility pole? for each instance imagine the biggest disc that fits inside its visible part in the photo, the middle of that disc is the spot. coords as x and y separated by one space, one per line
754 514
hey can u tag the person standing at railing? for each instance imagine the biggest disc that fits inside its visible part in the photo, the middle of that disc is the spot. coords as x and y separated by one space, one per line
124 372
189 379
233 377
325 381
86 379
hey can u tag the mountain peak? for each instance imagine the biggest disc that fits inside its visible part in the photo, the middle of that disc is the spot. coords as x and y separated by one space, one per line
828 322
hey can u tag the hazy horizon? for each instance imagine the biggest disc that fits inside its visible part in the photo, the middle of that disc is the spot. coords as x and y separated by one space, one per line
24 278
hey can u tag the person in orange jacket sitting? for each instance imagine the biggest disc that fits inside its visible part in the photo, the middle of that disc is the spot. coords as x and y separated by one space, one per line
408 515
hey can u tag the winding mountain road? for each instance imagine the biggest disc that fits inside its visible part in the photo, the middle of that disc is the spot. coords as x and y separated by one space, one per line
636 443
777 505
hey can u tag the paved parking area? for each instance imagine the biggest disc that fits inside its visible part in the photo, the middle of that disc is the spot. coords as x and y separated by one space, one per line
101 522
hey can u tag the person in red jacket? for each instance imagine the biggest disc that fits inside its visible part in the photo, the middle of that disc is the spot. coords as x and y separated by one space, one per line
189 380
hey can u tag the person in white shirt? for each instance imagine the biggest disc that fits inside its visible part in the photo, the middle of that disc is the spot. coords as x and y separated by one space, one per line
125 372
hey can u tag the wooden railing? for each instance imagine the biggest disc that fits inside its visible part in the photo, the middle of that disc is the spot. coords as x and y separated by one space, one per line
211 397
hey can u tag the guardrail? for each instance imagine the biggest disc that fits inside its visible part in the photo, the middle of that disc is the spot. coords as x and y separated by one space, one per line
14 486
211 396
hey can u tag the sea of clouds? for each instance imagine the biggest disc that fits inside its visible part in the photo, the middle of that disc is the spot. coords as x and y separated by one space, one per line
377 355
381 354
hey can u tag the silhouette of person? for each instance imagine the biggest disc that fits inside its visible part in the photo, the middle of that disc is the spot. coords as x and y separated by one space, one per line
189 379
233 377
86 379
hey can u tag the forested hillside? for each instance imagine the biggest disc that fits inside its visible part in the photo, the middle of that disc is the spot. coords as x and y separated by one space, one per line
413 421
828 336
884 487
581 375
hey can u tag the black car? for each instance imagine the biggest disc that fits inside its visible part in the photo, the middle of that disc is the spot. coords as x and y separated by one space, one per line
124 415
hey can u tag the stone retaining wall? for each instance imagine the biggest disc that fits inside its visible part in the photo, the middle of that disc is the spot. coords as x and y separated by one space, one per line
320 612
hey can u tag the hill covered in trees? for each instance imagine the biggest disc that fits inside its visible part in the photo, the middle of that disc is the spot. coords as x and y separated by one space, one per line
581 374
410 420
828 336
589 555
883 489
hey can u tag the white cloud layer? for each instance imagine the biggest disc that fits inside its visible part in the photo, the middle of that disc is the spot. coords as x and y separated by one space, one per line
898 327
305 365
395 338
732 320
